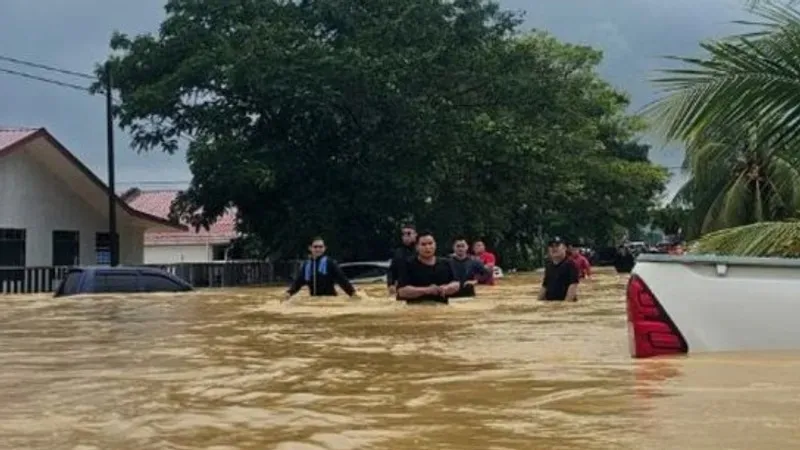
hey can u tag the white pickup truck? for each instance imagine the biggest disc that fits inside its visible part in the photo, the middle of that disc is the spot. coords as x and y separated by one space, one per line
693 303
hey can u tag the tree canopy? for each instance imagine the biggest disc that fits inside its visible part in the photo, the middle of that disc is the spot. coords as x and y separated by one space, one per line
345 118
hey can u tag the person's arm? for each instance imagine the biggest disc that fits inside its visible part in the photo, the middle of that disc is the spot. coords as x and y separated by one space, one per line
490 261
412 292
340 278
482 269
392 275
475 268
574 279
543 289
453 285
298 282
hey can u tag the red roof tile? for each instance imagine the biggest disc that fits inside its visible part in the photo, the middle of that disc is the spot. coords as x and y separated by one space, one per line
158 204
10 136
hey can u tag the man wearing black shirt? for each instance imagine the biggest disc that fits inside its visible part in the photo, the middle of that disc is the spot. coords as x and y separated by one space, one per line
426 278
560 274
401 256
624 261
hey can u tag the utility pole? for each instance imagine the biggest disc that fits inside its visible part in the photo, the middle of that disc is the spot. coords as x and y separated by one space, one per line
112 195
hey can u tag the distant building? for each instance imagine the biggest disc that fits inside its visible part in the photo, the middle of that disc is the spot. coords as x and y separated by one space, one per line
164 247
54 210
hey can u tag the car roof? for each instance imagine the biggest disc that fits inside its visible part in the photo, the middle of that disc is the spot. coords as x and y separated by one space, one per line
142 269
366 263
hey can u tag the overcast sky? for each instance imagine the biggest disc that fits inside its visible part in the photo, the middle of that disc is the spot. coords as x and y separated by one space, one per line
74 34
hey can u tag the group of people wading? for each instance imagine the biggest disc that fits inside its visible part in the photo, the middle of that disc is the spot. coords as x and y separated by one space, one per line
416 275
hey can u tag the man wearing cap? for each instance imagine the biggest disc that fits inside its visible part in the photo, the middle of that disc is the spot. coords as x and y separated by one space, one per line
560 274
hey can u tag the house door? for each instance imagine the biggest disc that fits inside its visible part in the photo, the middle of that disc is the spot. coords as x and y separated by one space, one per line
66 248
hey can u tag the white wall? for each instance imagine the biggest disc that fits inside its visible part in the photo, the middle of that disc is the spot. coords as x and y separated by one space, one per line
33 198
167 254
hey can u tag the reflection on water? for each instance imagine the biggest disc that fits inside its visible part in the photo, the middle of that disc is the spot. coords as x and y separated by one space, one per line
237 370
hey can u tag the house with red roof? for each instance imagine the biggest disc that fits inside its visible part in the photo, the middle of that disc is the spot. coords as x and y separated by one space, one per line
54 210
173 246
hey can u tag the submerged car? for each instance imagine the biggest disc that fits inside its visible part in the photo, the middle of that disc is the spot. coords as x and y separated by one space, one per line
701 303
377 271
366 272
118 280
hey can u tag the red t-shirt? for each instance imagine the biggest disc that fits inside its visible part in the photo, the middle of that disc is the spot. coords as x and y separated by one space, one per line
487 259
582 264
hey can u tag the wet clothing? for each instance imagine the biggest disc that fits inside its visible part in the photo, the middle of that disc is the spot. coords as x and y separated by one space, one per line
400 257
418 274
558 278
467 269
582 264
487 259
624 262
321 276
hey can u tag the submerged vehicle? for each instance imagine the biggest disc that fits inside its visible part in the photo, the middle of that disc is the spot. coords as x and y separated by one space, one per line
112 280
698 303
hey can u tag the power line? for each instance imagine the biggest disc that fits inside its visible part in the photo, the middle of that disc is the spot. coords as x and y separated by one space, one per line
155 182
84 89
46 67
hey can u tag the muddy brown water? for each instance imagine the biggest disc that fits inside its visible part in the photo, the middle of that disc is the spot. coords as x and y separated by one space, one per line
236 369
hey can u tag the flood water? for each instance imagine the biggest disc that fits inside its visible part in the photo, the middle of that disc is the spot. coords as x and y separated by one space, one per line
238 370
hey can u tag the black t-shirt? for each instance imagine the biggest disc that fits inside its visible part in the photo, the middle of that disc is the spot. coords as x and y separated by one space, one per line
624 263
418 274
558 278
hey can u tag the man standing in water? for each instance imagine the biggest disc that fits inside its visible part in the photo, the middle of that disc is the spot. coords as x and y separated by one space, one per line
466 267
560 274
426 278
401 256
581 262
487 259
320 274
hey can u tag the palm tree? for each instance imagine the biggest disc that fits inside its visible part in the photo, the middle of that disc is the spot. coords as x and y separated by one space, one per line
748 78
738 111
737 179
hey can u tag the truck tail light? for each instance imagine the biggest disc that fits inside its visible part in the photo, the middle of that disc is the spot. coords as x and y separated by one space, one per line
650 330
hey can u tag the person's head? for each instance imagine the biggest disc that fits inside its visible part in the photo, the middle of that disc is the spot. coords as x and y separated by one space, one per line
409 234
557 249
478 247
460 247
317 247
426 244
623 250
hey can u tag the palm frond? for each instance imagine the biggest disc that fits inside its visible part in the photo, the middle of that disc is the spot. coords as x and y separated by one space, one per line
764 239
741 80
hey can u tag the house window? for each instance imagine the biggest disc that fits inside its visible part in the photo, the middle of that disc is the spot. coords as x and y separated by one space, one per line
66 248
12 247
102 248
218 252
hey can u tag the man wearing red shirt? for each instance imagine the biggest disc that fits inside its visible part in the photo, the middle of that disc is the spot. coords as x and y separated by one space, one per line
487 259
580 262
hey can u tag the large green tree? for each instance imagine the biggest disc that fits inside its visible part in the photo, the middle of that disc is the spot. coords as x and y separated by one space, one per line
345 118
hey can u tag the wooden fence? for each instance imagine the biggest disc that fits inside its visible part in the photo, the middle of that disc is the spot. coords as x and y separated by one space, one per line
31 280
